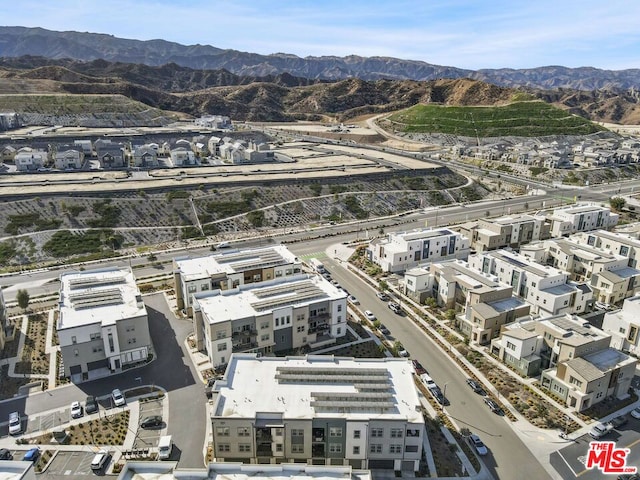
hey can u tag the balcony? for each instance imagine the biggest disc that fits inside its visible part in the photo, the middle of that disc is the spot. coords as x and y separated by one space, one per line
317 434
245 334
244 346
318 450
319 328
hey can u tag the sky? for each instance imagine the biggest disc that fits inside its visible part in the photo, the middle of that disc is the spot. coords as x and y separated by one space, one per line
471 34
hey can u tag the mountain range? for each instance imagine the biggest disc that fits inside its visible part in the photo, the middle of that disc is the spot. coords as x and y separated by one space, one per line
21 41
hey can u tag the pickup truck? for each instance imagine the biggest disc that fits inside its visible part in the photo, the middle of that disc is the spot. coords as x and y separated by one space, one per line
600 430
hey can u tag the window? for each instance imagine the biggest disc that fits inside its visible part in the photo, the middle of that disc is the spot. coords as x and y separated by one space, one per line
396 433
95 336
575 381
356 450
411 448
244 447
264 338
74 340
222 432
76 352
220 334
339 318
129 329
264 325
297 432
222 347
511 346
300 328
111 346
339 331
97 349
335 432
297 448
131 340
224 447
243 431
191 289
377 432
335 448
278 447
395 448
622 330
204 287
375 448
277 322
356 434
300 317
339 307
413 433
278 432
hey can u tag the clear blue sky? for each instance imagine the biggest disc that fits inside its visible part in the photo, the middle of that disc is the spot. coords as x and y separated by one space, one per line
462 33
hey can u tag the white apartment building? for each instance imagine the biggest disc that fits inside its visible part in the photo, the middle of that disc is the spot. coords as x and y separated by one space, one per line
622 244
582 217
544 287
102 323
509 231
318 410
280 315
229 269
401 251
623 326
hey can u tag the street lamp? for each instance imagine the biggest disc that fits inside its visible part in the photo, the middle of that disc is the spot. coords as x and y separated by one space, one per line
444 395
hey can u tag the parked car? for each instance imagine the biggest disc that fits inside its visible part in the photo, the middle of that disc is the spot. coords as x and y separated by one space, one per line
635 413
99 460
352 299
118 398
437 394
394 307
152 422
619 421
417 366
32 455
600 430
493 406
478 445
383 330
90 405
403 353
15 423
475 386
369 315
208 390
628 476
5 454
382 296
76 410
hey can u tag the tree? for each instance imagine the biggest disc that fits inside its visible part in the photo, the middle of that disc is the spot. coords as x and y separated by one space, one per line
450 314
617 203
23 298
383 286
431 302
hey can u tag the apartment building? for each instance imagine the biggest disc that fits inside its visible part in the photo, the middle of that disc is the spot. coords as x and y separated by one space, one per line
582 217
280 315
622 244
545 288
519 346
503 232
401 251
102 323
623 326
229 269
3 321
319 410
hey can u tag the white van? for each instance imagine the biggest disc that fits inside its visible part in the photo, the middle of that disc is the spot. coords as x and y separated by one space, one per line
165 445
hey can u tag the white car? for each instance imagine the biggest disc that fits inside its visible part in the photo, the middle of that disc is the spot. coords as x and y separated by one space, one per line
118 398
15 423
369 314
352 299
477 443
635 413
600 430
76 410
99 460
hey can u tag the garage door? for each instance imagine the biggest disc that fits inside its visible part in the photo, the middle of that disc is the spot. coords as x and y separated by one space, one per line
380 464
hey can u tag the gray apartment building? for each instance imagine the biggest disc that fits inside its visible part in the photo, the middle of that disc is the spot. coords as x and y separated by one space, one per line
319 410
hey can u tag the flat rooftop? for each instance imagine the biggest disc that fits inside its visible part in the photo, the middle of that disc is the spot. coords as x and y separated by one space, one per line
317 386
524 263
98 296
234 261
259 298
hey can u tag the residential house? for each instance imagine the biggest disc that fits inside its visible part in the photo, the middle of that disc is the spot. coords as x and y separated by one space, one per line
29 160
102 323
86 146
183 157
9 121
229 269
503 232
519 346
318 410
581 217
216 122
68 157
110 154
613 242
7 154
145 156
278 316
400 251
623 326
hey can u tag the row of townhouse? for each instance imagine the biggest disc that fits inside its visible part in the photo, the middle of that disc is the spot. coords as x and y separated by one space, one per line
400 251
102 323
576 360
318 410
277 316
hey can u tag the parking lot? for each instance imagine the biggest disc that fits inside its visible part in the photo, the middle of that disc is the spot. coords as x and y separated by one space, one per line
148 437
71 465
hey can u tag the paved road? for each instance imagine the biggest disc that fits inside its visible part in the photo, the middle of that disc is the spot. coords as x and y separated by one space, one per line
508 457
172 370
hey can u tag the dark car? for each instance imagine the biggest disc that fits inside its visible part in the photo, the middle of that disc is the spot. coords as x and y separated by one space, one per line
437 394
5 454
419 369
493 406
383 330
91 406
475 386
618 421
32 455
208 390
151 422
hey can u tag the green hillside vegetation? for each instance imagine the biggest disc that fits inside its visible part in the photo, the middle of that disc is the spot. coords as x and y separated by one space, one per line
522 119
